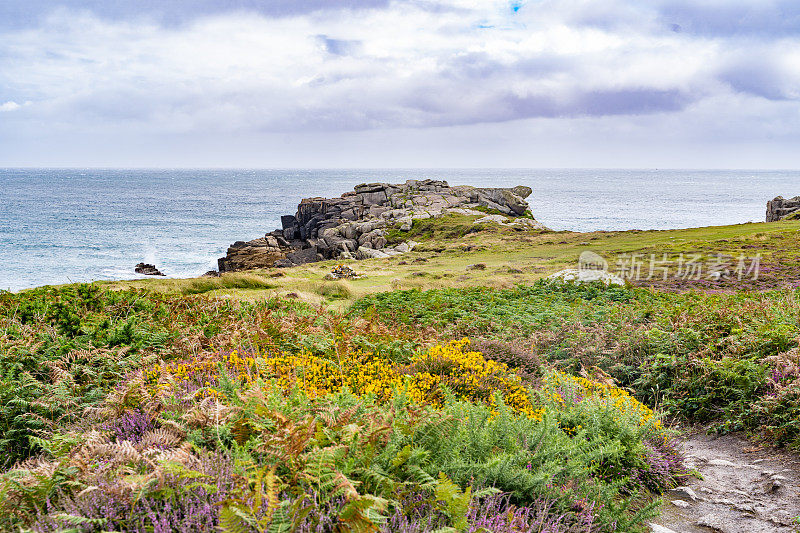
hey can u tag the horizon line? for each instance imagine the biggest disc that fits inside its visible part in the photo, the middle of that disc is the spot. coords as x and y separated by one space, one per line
719 169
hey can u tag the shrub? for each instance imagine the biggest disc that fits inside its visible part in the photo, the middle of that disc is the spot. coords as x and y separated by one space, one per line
256 441
335 290
156 412
516 354
227 281
428 377
704 357
63 349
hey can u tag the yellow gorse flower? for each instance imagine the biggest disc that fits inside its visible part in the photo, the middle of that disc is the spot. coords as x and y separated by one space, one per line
467 374
613 397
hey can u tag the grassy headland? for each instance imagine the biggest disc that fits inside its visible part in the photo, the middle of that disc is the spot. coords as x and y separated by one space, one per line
275 400
510 257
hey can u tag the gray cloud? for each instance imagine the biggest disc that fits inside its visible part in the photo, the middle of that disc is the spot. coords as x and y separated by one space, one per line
766 19
339 47
757 76
632 102
733 18
504 107
27 13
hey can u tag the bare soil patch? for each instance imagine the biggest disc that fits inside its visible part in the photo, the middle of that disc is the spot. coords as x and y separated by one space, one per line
744 489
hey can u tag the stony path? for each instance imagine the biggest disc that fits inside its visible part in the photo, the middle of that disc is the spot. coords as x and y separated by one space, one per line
745 489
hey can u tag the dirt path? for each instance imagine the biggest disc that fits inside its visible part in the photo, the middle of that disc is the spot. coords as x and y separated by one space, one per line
745 489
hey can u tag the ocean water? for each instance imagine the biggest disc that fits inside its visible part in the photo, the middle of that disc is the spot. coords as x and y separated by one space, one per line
70 225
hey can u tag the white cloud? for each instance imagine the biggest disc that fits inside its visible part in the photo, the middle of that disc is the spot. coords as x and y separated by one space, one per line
411 68
408 65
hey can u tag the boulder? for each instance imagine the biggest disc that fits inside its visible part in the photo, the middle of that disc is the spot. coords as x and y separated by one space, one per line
373 198
578 276
288 221
349 245
258 253
147 270
301 257
492 219
656 528
504 200
376 211
685 492
522 191
249 258
374 239
369 253
370 187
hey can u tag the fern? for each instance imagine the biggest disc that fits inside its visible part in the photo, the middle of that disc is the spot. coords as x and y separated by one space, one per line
259 508
453 502
363 514
58 445
233 519
281 520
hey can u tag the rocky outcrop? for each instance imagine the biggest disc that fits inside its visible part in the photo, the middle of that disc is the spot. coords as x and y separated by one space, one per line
355 224
780 208
147 270
254 254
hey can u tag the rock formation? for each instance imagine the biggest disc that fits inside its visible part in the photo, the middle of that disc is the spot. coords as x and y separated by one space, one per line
147 270
781 208
355 224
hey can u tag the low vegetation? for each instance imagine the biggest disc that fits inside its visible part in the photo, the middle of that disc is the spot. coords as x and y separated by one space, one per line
479 400
230 281
731 360
133 411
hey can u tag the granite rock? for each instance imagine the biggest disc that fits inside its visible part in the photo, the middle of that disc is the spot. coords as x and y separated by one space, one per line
356 223
147 270
780 208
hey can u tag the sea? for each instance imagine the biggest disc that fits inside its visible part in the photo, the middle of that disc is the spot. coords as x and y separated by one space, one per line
76 225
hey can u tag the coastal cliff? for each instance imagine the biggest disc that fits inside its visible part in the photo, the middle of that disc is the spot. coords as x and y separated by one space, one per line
355 224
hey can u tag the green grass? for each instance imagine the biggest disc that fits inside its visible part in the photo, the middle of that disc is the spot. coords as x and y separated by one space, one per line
226 281
448 227
335 290
514 257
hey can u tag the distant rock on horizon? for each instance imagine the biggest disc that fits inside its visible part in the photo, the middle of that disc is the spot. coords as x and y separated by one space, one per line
354 225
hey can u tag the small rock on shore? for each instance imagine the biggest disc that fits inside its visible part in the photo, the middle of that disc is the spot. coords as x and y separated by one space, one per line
147 269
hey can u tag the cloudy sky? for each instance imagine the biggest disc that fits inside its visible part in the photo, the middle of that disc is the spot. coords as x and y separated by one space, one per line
400 83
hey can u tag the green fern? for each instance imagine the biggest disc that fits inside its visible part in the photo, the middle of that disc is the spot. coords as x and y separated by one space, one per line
265 513
453 502
364 514
233 519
